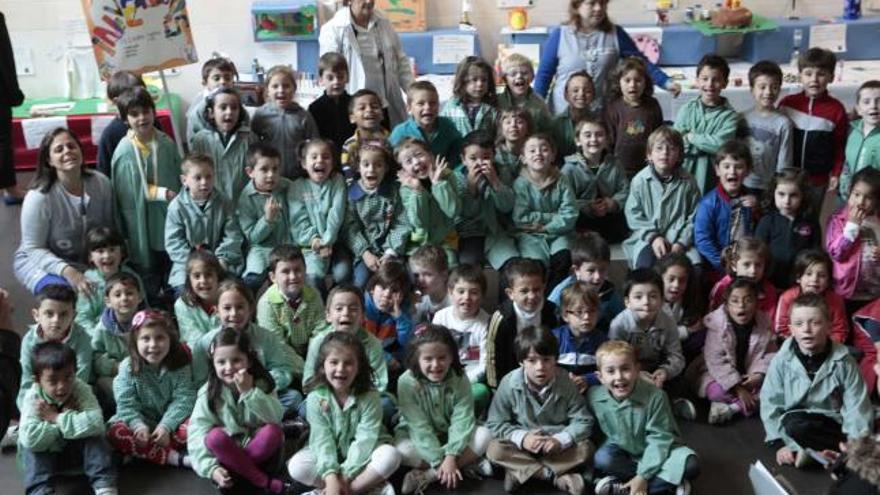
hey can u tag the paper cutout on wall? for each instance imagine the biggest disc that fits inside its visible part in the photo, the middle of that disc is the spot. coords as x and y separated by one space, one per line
139 35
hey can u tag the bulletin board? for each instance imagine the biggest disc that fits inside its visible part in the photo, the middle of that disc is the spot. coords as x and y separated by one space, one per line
139 36
405 15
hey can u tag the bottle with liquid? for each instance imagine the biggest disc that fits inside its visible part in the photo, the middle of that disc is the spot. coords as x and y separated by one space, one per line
797 39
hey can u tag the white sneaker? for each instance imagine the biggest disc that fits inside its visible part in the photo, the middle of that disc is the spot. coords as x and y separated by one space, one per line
479 470
684 488
383 489
610 485
416 480
720 412
107 490
10 439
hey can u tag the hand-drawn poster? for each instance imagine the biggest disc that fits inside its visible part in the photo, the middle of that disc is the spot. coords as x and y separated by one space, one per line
139 35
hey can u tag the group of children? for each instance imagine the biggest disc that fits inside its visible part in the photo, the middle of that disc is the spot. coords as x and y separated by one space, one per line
396 361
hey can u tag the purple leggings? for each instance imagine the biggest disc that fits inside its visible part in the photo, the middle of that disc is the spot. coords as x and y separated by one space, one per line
716 393
245 461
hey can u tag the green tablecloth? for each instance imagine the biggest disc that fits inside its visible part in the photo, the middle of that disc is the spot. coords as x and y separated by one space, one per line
759 23
90 106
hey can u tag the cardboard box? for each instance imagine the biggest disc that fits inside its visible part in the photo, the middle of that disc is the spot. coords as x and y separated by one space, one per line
405 15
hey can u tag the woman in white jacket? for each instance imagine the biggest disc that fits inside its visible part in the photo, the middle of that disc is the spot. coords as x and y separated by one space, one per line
373 51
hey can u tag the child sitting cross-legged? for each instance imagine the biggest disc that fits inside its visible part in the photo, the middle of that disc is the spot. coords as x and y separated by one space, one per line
61 425
738 349
642 451
438 434
540 422
813 396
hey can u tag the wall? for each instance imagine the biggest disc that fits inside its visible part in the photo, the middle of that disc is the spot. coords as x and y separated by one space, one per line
224 25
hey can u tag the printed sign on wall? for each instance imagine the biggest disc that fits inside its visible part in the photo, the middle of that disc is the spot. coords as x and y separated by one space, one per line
139 35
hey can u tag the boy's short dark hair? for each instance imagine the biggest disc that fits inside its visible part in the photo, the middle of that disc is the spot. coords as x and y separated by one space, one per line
122 80
56 292
123 278
104 237
479 138
641 276
421 86
53 356
261 150
222 64
872 84
817 58
809 257
543 136
391 275
811 301
579 292
741 283
539 338
136 97
522 267
285 252
736 149
871 177
333 62
589 248
360 94
345 288
767 68
469 274
716 62
432 256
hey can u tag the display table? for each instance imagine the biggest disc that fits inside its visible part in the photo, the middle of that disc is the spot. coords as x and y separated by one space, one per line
417 46
740 97
86 120
683 45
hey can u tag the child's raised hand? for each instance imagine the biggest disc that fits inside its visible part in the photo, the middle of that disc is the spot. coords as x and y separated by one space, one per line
673 87
169 195
637 486
221 476
315 245
244 381
161 436
271 208
491 175
439 170
325 251
141 435
448 473
676 248
660 246
784 456
856 215
409 181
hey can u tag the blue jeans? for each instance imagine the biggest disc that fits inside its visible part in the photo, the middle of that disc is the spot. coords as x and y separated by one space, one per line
362 274
92 453
614 461
291 400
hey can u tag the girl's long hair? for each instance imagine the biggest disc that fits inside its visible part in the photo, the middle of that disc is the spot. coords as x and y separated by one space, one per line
788 175
189 296
209 107
691 302
177 356
432 334
363 380
232 337
459 82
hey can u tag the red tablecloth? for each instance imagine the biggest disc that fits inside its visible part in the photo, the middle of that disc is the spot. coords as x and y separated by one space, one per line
81 126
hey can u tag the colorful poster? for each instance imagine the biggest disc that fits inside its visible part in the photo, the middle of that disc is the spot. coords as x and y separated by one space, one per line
139 35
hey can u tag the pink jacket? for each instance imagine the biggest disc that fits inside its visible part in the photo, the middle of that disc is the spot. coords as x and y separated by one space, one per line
719 351
865 335
839 326
846 254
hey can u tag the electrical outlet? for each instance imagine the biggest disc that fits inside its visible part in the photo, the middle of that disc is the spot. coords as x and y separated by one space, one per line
24 61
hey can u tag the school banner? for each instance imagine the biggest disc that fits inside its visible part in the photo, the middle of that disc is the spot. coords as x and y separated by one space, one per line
139 35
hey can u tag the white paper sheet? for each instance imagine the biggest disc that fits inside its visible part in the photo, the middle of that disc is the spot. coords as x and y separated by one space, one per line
99 123
271 54
828 36
35 129
452 48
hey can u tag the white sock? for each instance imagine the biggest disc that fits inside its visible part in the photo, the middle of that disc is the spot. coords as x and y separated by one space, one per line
175 458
